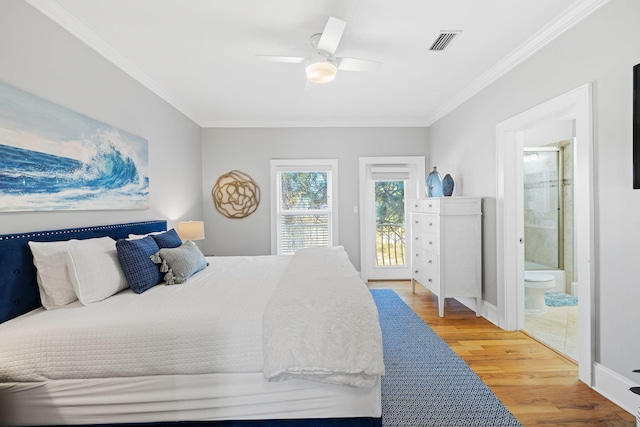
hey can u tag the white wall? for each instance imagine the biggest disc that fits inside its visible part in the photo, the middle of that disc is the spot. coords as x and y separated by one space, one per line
249 151
548 133
38 56
602 50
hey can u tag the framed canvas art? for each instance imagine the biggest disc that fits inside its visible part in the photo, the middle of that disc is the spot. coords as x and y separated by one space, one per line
52 158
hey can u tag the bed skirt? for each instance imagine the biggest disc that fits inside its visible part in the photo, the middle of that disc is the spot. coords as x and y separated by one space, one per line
195 398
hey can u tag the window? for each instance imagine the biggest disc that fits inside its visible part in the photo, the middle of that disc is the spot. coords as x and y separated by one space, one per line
303 204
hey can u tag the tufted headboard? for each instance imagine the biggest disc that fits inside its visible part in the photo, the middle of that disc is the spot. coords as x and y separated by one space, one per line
18 287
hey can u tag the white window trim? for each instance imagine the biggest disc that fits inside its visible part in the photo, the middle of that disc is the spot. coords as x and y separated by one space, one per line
280 165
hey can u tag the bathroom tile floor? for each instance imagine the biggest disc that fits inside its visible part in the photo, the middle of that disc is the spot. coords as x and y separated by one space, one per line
558 328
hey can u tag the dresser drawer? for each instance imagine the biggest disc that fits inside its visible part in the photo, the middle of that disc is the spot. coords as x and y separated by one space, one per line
446 205
423 223
426 241
429 281
429 205
424 261
415 205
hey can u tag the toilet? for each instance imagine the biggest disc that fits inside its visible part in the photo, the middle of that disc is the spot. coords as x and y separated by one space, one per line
535 285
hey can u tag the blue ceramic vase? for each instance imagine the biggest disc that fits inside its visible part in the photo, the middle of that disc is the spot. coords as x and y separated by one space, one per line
434 184
447 185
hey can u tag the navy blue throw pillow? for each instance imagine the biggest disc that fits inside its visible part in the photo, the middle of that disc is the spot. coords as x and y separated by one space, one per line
135 259
170 239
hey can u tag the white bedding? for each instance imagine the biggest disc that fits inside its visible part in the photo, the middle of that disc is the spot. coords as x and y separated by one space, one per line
321 291
132 357
210 324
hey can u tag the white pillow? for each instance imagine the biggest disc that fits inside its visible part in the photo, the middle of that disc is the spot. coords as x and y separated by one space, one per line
54 283
94 269
142 236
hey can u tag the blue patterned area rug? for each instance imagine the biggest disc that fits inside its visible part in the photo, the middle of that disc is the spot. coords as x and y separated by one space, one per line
559 299
426 382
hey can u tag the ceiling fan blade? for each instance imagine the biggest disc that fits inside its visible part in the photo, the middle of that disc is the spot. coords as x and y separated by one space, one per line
310 86
331 35
353 64
288 59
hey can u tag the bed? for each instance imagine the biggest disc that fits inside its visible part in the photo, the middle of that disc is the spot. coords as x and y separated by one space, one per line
256 340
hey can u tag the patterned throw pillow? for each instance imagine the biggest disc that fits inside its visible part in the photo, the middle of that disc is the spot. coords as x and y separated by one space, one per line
170 239
134 256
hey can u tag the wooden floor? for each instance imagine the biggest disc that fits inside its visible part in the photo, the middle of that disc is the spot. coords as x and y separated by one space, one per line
538 386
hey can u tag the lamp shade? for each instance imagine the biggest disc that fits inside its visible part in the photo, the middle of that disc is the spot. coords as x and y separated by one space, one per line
191 230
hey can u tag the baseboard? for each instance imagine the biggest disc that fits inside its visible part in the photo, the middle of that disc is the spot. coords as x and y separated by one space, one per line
488 311
615 387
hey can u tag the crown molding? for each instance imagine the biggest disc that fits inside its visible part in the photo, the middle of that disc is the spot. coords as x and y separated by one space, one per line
317 124
67 20
570 17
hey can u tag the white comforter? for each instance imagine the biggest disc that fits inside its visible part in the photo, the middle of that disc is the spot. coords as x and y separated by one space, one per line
213 323
320 291
210 324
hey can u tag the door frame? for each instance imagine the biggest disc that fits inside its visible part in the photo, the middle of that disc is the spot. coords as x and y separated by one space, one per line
417 167
576 105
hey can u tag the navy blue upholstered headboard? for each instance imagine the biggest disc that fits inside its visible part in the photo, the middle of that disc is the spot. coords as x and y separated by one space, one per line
18 287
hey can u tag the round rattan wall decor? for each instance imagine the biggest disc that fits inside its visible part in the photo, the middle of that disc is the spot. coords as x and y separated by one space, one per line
236 195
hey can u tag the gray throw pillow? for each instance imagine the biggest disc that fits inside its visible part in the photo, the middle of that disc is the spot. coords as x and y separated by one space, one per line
179 263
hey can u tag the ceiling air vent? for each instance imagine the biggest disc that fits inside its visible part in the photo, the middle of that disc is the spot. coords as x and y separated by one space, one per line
443 40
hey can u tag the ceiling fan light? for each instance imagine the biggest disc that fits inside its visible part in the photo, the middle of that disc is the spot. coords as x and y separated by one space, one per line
321 72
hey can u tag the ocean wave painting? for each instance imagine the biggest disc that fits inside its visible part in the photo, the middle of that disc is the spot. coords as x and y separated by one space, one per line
52 158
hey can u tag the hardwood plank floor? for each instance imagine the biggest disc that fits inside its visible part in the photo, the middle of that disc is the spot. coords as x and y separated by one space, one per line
538 385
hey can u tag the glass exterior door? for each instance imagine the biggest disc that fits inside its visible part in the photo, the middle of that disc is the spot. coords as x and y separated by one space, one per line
390 223
386 186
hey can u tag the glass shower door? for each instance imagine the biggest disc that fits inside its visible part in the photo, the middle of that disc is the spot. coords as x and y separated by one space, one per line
542 209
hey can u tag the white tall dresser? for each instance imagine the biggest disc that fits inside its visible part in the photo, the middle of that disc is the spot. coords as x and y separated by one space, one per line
446 247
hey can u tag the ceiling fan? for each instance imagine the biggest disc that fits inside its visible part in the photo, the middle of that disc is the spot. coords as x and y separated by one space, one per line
321 65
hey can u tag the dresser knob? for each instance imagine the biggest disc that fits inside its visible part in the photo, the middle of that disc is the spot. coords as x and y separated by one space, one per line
430 243
429 280
417 238
430 205
430 262
430 224
416 271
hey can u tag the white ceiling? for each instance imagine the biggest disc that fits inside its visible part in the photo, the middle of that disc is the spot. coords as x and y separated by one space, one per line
199 55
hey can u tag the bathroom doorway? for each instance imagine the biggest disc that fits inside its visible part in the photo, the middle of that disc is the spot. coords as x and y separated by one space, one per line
548 247
574 106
